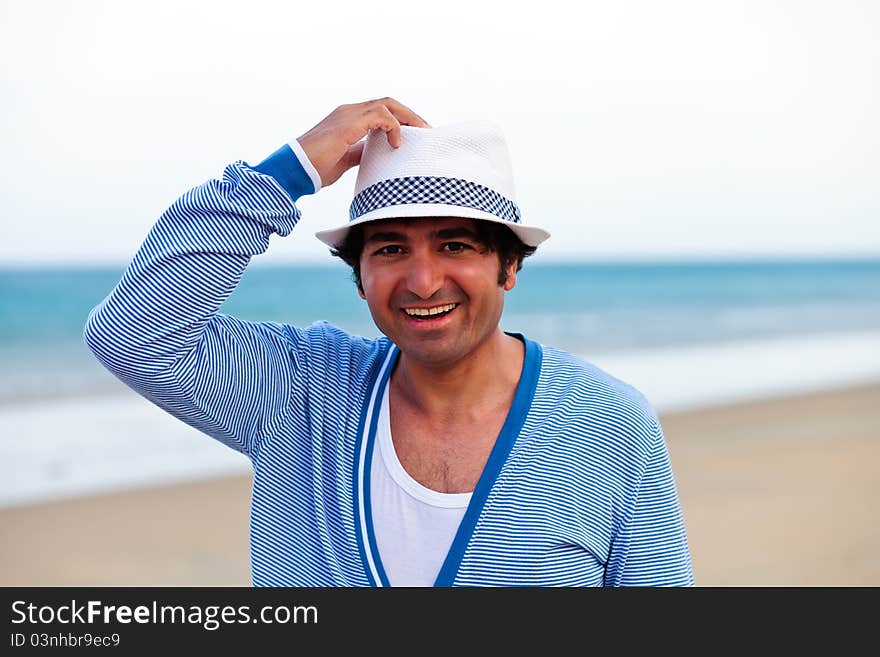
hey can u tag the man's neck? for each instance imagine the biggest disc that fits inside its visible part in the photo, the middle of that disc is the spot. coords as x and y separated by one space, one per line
464 388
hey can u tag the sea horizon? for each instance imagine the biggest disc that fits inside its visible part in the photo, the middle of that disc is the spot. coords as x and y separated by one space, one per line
589 309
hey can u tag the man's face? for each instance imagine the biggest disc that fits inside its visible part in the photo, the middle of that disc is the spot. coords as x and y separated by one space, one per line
432 264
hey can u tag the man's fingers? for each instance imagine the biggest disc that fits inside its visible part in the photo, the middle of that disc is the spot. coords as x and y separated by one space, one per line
403 114
385 120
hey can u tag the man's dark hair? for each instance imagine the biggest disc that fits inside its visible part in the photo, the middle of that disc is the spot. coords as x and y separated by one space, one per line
495 237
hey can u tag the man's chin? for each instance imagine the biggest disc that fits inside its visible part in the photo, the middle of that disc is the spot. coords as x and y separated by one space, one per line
432 353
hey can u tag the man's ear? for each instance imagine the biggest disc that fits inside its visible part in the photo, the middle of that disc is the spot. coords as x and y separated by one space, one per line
361 294
510 283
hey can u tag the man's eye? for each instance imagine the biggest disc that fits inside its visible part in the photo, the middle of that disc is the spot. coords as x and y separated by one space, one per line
385 250
456 246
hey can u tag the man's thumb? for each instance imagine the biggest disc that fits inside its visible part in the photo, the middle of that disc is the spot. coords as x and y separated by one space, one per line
353 156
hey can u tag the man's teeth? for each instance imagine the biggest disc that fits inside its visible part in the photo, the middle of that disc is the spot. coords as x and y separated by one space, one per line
427 312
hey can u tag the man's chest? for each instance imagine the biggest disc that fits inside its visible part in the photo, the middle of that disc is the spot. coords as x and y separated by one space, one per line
447 457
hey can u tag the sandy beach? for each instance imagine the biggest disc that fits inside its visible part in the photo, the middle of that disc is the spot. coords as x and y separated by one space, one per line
777 492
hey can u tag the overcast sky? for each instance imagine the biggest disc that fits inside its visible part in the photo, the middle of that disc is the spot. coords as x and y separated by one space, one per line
693 129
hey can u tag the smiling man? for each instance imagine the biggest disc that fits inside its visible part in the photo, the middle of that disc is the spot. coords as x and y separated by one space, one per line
447 452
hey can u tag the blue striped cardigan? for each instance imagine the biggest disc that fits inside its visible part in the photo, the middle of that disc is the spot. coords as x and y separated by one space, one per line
578 489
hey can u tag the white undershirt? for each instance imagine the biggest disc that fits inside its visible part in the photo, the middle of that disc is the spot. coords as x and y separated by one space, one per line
414 525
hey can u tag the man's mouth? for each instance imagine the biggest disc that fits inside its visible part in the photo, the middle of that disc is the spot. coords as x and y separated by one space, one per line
429 314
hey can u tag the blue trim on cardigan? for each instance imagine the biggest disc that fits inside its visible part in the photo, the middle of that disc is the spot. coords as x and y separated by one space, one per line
522 401
368 464
284 166
362 422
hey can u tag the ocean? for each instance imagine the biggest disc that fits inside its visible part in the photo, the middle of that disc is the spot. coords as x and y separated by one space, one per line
684 333
588 309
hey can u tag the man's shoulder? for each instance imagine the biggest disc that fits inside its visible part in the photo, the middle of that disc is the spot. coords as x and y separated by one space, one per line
578 388
590 416
322 338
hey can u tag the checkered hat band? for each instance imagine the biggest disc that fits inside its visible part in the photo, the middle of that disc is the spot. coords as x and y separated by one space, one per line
430 189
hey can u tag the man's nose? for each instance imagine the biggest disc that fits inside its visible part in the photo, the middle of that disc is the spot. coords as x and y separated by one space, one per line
425 275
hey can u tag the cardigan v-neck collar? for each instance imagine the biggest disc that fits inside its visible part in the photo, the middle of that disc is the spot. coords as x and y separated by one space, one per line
516 416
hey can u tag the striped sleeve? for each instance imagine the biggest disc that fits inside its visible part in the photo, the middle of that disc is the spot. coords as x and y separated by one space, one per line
159 330
650 548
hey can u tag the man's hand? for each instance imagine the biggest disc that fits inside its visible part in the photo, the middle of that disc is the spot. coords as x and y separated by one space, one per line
334 145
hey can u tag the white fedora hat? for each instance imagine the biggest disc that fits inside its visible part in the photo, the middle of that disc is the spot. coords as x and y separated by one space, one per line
457 170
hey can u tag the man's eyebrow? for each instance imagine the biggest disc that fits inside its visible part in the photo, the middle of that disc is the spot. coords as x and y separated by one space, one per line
387 236
450 233
442 233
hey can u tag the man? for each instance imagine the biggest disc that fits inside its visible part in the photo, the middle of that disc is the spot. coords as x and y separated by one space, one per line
447 452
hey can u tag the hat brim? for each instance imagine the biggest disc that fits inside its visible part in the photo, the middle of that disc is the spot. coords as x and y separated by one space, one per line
530 235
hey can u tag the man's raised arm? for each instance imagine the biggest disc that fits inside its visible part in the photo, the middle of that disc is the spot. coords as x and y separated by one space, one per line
159 330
